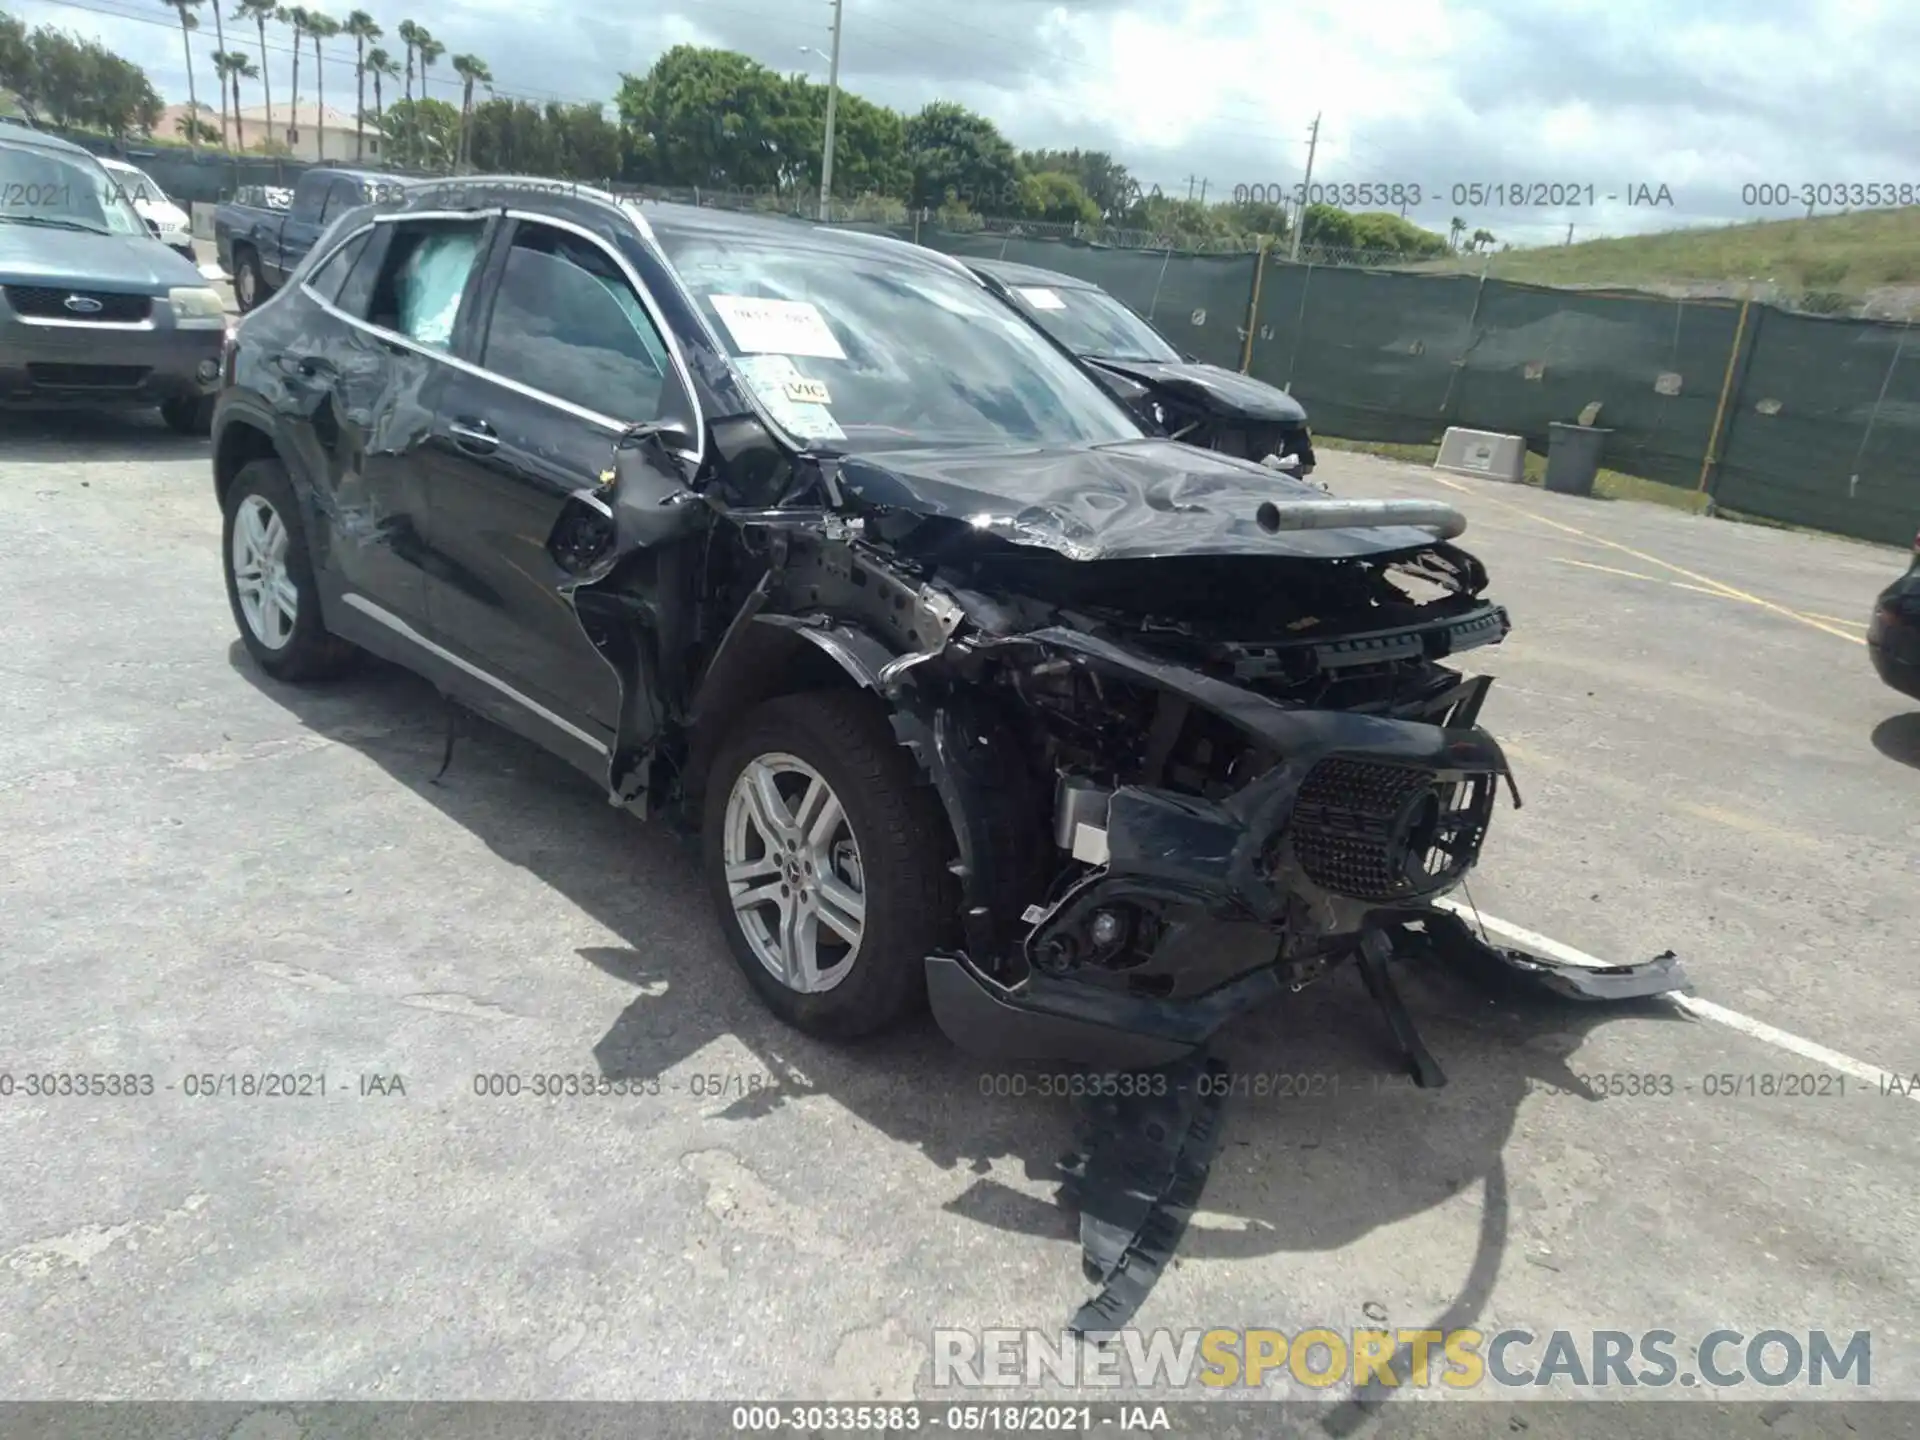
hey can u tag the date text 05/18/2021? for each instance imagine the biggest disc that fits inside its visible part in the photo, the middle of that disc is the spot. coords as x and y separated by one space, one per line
1467 194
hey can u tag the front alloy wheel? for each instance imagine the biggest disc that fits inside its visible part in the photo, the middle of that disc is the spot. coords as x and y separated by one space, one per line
827 860
794 874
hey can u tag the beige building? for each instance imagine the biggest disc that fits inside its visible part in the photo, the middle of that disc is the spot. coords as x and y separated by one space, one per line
310 133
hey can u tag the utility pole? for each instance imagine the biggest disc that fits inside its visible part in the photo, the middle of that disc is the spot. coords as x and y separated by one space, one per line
1306 188
1203 189
833 97
1569 232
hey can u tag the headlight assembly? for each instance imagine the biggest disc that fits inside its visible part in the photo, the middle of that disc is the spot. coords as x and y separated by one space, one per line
197 307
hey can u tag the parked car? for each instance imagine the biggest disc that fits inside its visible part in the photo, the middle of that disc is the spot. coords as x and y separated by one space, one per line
261 243
1893 635
93 310
1186 399
974 688
171 225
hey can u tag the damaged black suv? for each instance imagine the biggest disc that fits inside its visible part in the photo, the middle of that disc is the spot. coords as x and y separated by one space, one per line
972 689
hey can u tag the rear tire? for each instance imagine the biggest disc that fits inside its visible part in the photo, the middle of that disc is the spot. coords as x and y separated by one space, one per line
249 284
270 569
888 849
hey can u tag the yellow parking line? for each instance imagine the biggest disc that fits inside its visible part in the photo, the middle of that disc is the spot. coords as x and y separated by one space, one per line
1716 586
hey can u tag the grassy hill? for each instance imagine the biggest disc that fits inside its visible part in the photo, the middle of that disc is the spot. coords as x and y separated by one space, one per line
1841 255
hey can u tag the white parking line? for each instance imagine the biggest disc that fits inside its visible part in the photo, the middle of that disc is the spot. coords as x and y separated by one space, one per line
1884 1080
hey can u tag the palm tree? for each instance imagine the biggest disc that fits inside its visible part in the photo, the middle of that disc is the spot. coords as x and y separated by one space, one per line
362 27
233 67
471 69
380 65
430 50
320 27
189 22
258 11
295 19
1455 231
410 34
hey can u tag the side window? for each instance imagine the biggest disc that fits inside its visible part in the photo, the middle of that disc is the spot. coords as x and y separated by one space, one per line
412 283
326 280
567 322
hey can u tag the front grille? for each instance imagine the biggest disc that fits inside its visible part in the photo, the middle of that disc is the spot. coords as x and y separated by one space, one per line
87 377
1373 831
49 302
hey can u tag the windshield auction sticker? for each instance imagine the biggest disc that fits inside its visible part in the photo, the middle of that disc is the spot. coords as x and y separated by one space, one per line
797 403
1041 298
777 327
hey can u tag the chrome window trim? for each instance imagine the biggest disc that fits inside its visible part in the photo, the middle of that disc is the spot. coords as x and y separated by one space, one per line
407 632
333 250
479 372
699 452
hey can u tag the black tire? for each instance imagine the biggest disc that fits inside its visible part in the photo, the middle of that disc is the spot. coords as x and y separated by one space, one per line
249 283
904 844
188 415
311 652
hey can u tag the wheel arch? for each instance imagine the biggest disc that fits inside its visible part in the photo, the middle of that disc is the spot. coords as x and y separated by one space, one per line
242 440
767 657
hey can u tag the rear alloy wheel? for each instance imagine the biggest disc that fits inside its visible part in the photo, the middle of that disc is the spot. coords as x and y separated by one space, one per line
270 579
826 860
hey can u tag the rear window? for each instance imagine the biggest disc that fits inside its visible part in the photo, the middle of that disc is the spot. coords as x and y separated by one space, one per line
878 351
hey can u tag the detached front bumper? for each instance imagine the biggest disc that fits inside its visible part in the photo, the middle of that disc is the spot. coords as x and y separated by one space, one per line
49 364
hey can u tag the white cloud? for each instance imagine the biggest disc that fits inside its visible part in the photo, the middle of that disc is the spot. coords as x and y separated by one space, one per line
1701 97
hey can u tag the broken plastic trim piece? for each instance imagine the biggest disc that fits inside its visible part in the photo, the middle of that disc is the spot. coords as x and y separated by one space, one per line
1450 938
1143 1164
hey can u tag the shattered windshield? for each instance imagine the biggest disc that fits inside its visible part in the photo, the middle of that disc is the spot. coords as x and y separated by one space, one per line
44 187
1092 322
867 352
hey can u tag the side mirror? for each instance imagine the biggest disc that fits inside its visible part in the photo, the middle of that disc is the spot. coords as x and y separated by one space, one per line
153 227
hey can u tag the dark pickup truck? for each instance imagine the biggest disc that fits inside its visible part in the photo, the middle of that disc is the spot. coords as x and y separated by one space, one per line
262 242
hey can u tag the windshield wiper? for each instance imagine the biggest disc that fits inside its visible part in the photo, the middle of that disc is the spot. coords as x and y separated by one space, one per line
56 224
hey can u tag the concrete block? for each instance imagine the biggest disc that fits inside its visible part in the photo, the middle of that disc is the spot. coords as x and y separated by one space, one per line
1483 453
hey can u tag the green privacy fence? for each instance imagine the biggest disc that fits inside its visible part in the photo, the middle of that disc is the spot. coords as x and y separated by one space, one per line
1811 420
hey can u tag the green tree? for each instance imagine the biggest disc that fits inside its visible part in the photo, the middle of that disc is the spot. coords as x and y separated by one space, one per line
1057 197
320 27
260 12
364 29
869 142
191 128
1106 181
232 67
425 131
472 70
716 118
294 17
189 22
956 155
410 34
381 66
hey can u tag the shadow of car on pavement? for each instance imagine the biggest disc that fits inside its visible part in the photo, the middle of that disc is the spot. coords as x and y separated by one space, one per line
77 436
1385 1150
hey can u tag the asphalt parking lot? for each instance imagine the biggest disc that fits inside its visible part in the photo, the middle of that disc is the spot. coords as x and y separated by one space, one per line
202 872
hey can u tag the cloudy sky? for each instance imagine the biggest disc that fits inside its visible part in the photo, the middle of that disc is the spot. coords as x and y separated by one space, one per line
1702 97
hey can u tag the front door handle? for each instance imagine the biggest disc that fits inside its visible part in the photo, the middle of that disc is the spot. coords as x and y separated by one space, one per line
476 437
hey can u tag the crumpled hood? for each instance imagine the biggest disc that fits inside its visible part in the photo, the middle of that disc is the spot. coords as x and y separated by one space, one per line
1134 500
1226 393
136 264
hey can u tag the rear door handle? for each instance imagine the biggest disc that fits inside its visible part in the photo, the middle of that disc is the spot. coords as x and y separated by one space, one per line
476 437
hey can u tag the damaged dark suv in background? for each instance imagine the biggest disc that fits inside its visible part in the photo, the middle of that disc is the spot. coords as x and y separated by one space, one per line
974 689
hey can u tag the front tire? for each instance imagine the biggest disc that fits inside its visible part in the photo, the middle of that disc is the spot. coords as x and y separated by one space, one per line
826 859
189 415
270 583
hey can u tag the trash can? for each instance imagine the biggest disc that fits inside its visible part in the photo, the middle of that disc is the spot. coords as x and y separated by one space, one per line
1573 457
